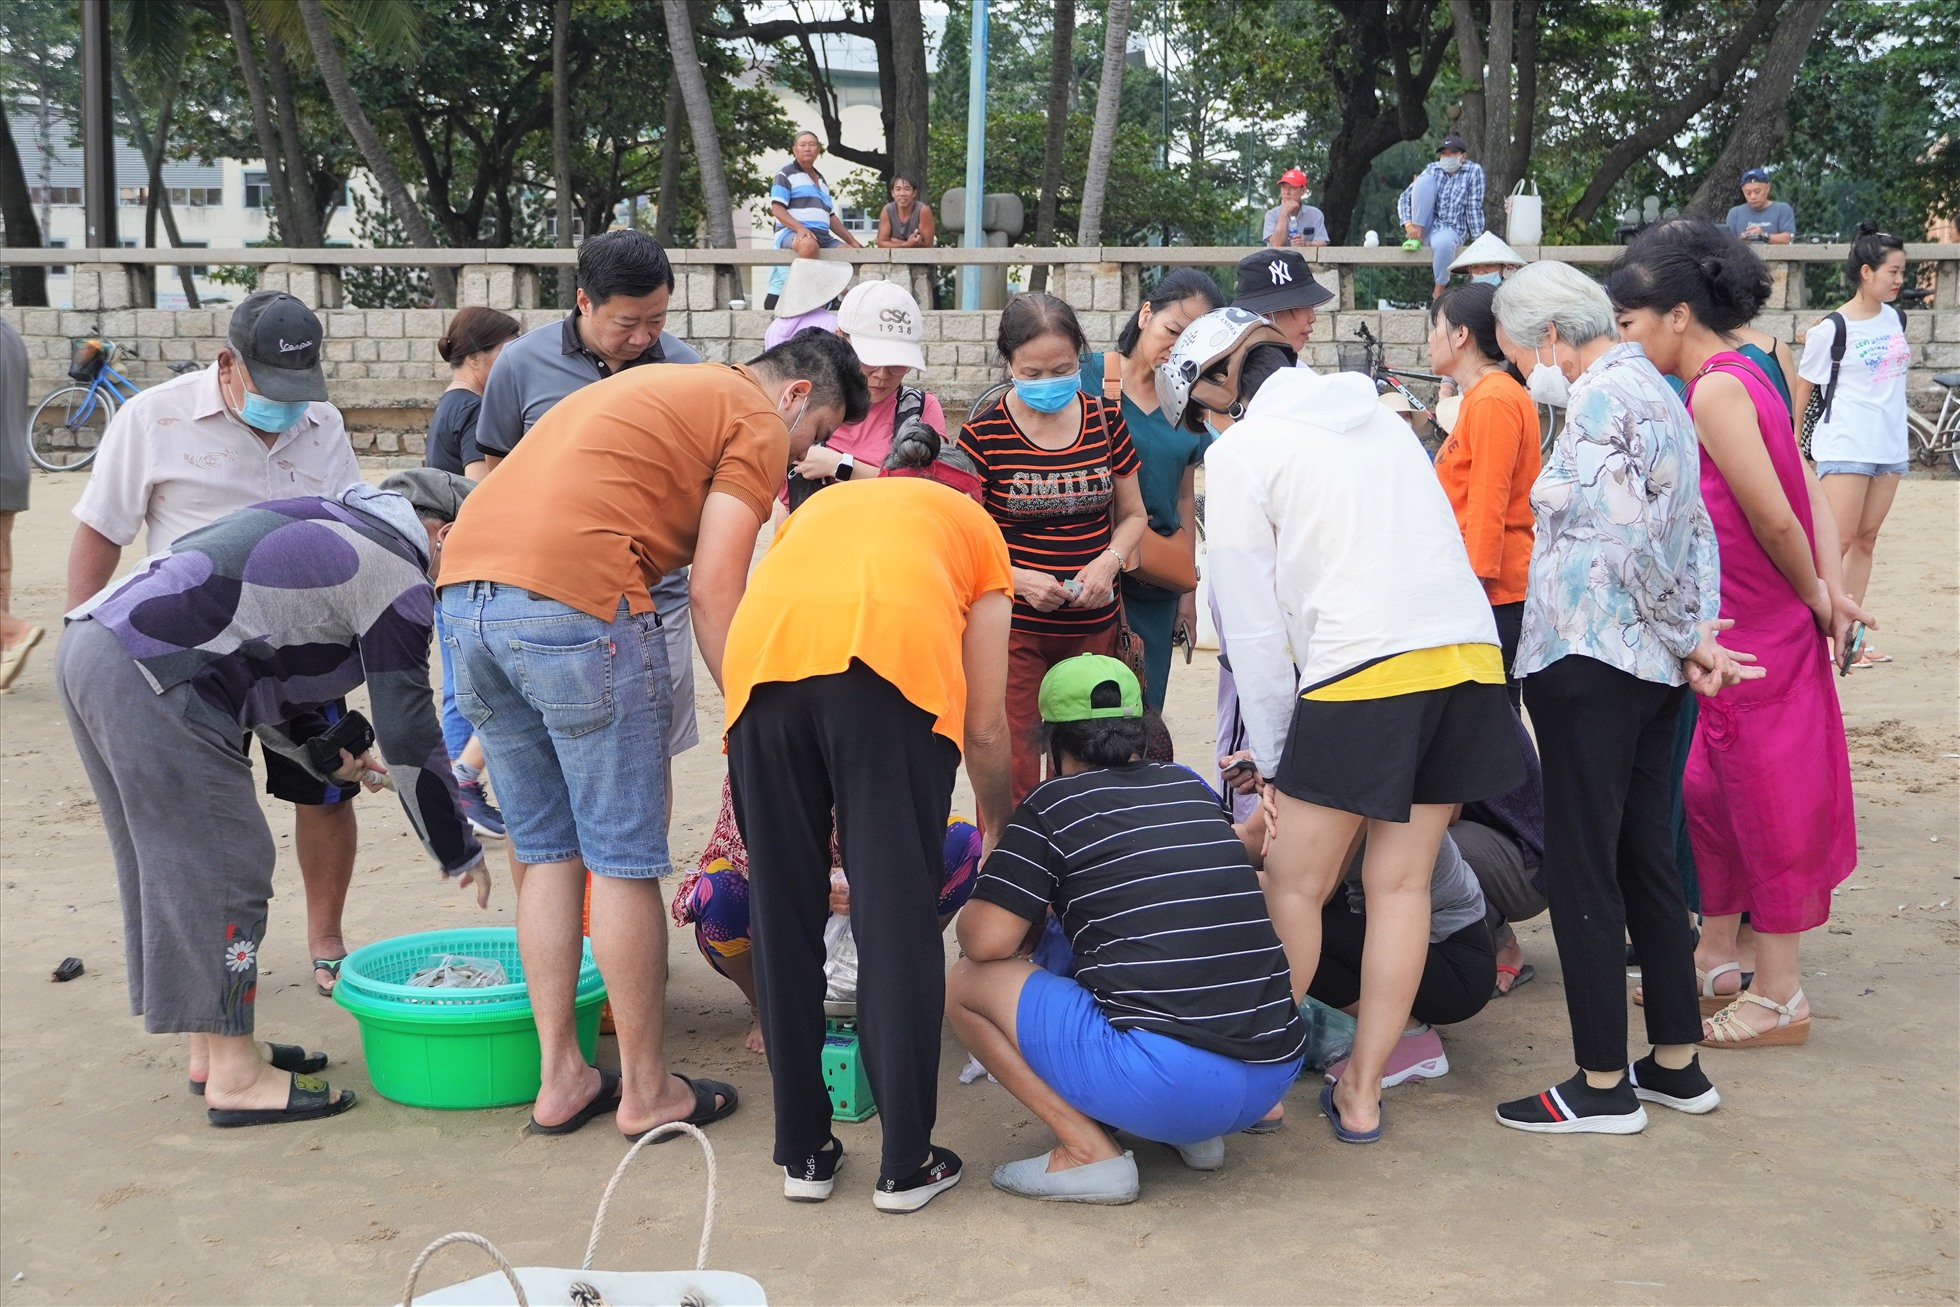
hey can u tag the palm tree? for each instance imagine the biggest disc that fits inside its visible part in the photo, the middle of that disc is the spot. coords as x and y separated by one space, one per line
1102 142
701 115
283 207
333 74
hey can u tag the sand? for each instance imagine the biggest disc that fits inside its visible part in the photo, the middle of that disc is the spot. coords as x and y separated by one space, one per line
1830 1173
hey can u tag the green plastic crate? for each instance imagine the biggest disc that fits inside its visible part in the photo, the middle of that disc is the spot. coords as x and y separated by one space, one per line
843 1074
454 1048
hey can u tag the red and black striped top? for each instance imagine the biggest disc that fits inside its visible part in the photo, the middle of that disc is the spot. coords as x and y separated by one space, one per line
1053 505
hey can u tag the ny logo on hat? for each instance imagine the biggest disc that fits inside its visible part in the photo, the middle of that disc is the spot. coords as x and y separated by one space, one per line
1280 272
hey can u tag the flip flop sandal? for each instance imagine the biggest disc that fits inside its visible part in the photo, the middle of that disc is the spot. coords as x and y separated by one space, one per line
1268 1127
1727 1029
12 660
606 1100
705 1112
1523 975
309 1099
1711 1002
1341 1132
332 967
285 1057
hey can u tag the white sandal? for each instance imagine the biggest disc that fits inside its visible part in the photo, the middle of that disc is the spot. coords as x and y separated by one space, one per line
1711 1002
1727 1029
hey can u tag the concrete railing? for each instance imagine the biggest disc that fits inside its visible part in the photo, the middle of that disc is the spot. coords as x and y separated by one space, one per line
384 373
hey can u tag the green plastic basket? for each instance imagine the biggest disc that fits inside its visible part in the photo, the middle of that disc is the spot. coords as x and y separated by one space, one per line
454 1048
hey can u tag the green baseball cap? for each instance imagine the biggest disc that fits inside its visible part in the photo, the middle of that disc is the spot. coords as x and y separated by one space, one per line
1068 691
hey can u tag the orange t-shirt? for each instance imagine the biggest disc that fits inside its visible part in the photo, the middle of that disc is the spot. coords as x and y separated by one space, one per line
604 495
1487 466
881 570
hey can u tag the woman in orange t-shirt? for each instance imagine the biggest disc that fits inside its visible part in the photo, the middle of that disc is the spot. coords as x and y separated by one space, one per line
1491 458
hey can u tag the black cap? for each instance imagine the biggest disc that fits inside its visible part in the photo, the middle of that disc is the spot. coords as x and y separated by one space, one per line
1272 280
1453 142
278 340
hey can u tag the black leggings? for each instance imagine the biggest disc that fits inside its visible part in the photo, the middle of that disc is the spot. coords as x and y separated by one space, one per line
1457 976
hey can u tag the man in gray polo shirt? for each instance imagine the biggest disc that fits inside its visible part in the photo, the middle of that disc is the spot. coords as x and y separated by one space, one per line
624 285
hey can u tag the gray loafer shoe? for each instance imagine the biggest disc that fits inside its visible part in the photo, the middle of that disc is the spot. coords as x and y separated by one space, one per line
1205 1155
1110 1183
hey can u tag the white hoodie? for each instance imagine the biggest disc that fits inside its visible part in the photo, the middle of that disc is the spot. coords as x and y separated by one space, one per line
1332 545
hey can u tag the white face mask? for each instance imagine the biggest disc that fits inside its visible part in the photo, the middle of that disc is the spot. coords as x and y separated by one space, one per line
1451 162
1546 384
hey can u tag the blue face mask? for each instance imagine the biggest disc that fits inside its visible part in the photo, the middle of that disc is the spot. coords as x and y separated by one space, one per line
1489 278
1048 394
269 414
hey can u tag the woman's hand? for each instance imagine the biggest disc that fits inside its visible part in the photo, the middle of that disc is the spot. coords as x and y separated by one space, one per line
367 769
820 462
1846 612
1269 808
477 877
1711 667
840 895
1821 608
1098 583
1187 622
1042 592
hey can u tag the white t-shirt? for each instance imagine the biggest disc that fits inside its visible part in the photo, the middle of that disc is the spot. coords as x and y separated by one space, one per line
1867 423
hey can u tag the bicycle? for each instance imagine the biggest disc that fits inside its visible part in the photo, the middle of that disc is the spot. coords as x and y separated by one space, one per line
1939 435
1370 358
67 427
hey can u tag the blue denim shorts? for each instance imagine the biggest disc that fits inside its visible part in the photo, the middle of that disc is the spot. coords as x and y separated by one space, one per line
1848 468
1149 1084
574 713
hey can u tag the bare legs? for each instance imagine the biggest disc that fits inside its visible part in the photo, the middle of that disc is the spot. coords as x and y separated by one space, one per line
240 1079
325 836
1860 504
12 629
982 1000
1776 968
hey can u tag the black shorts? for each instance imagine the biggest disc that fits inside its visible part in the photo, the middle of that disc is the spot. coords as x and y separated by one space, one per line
286 779
1379 757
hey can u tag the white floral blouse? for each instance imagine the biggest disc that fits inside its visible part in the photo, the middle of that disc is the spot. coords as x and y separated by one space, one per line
1624 564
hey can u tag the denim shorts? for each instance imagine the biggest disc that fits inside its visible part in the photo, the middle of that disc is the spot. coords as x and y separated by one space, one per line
574 713
1847 468
1149 1084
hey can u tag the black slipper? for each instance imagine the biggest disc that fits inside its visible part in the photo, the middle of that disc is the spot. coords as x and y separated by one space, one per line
705 1112
285 1057
332 967
606 1100
309 1099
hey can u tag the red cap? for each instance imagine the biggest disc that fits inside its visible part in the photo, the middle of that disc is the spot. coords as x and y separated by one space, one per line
1293 177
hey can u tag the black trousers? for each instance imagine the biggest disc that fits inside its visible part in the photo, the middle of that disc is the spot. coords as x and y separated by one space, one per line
850 742
1457 975
1606 739
1510 628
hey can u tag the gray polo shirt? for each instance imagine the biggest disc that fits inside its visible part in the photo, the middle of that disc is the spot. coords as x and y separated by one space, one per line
1774 217
541 367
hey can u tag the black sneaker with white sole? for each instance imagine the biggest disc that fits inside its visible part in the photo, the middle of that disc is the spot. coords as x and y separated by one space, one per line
1686 1090
1576 1108
816 1176
940 1173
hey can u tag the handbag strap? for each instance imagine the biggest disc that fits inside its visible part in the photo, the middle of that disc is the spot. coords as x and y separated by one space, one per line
1112 377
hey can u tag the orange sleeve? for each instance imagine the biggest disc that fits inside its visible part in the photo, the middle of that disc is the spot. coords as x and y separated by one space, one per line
1489 428
754 460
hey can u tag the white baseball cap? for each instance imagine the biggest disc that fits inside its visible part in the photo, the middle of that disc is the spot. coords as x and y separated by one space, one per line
884 324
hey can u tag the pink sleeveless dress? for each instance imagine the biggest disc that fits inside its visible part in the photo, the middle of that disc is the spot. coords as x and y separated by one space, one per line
1768 785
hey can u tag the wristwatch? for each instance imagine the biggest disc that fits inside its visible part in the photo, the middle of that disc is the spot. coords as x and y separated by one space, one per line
845 466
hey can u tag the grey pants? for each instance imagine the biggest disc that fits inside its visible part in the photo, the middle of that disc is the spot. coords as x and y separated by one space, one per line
1499 865
193 854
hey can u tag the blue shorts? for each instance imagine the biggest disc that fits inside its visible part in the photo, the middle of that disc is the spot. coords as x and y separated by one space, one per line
1151 1085
1848 468
576 713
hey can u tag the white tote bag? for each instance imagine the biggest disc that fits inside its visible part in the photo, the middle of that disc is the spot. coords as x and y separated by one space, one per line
1527 215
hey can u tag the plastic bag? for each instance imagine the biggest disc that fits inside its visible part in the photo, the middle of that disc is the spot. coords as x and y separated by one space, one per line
840 967
1526 225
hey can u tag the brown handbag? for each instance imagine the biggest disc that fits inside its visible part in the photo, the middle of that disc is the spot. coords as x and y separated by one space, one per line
1169 562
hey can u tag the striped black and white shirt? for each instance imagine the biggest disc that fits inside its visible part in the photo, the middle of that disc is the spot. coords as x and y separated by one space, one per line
1159 903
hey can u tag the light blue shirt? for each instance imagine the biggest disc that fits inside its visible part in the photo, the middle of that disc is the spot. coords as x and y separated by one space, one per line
1624 564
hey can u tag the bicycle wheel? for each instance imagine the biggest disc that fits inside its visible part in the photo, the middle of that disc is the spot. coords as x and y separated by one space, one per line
67 428
1548 424
1925 438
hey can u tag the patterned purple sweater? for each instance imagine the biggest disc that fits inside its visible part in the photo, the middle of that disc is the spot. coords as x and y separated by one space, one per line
274 610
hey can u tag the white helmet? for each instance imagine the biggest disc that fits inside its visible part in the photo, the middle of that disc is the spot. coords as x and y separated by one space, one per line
1220 336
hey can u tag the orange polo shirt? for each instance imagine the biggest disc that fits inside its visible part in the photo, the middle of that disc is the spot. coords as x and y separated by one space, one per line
1487 468
882 571
604 495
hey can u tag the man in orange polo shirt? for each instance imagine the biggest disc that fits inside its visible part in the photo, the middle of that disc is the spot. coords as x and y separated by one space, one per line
562 668
870 648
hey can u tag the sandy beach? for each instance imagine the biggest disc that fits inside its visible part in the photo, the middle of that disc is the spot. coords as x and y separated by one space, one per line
1831 1173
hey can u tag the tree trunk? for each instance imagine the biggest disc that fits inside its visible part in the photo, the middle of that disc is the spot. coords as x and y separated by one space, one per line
561 138
333 74
1765 119
23 229
668 201
1496 124
1405 45
912 77
1102 142
311 233
1722 66
1061 76
1524 129
152 149
1471 61
275 172
701 115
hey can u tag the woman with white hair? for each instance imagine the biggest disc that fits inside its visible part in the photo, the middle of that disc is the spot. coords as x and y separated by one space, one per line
1619 622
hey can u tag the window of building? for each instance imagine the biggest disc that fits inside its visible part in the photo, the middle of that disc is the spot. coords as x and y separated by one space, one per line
59 269
197 197
134 196
55 194
852 93
258 191
862 222
198 270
